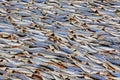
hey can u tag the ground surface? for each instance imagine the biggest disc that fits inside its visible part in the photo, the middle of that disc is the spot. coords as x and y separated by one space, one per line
59 40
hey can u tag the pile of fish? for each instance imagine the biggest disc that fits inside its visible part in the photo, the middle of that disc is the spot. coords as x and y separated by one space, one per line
59 40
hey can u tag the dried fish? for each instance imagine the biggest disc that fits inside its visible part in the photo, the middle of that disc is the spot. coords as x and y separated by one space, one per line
15 50
47 75
75 70
113 61
40 1
67 50
94 59
39 60
89 49
32 50
98 77
17 63
2 53
20 76
113 66
22 70
114 74
59 39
